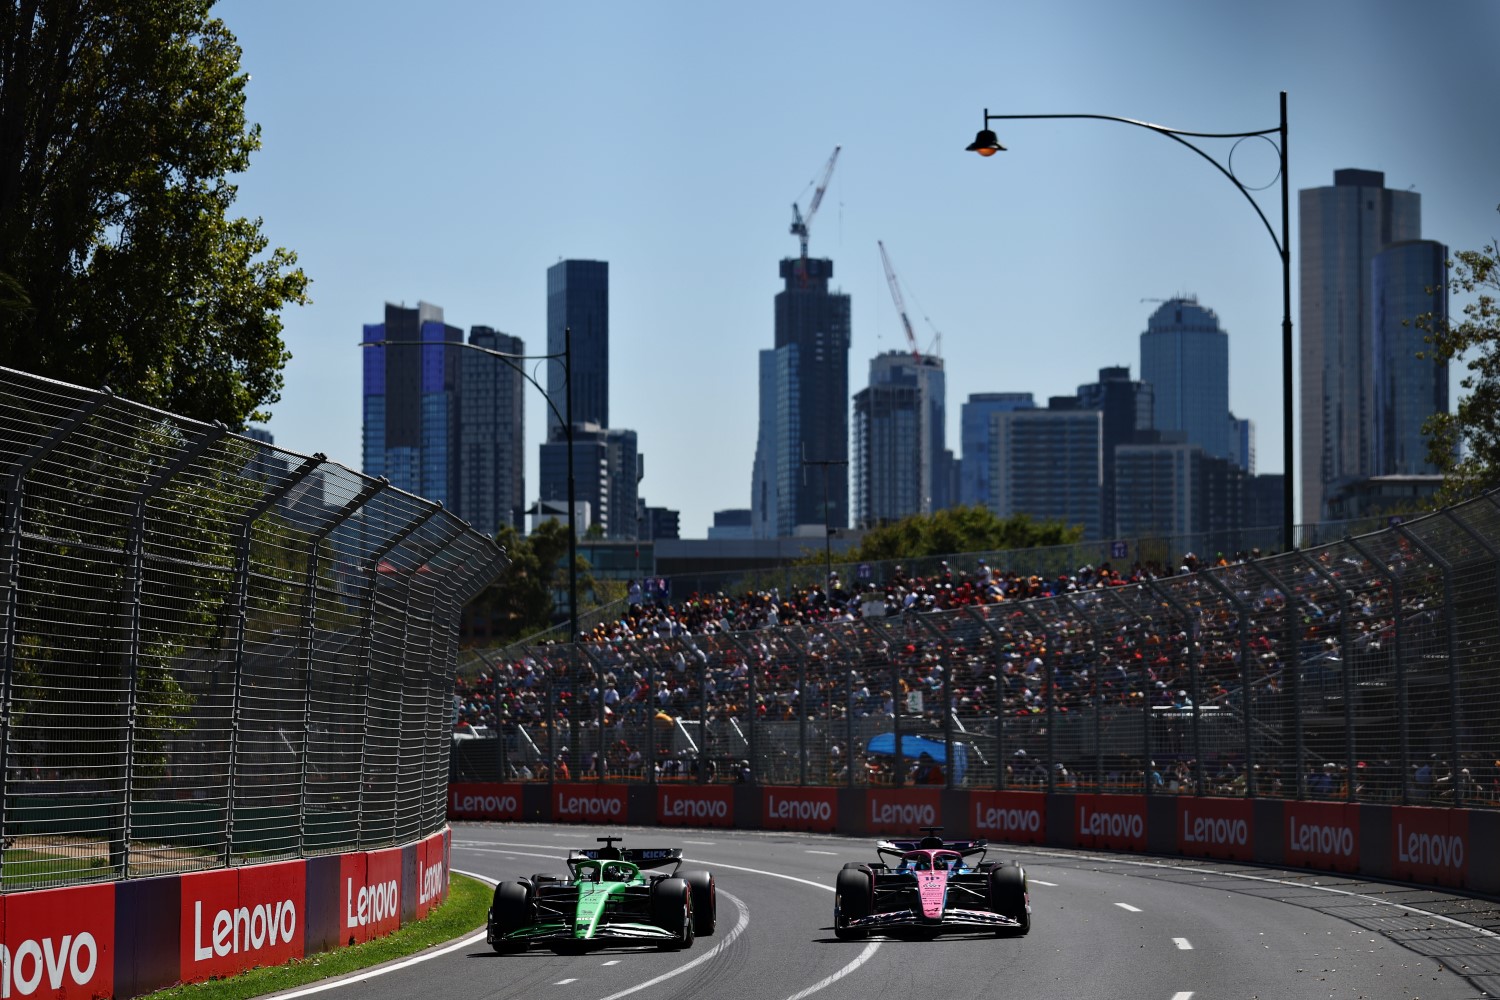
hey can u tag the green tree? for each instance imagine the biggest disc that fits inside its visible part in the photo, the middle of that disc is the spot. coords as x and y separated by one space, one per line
1465 444
959 529
522 602
120 261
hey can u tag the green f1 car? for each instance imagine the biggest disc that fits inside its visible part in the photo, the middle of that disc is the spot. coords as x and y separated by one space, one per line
611 895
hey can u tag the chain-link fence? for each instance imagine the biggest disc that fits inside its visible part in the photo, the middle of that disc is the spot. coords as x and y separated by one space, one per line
1363 670
213 651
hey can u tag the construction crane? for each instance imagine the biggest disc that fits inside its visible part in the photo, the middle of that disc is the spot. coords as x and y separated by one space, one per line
800 222
890 277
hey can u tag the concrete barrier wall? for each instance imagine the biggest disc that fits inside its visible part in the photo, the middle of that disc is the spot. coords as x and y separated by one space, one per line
1409 843
124 939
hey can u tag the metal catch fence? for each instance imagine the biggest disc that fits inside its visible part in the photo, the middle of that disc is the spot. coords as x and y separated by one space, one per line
1364 670
214 651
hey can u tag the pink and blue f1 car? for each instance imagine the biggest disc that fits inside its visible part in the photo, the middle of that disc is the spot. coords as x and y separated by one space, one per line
931 886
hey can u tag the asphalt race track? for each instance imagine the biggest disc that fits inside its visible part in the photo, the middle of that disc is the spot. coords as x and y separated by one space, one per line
1103 927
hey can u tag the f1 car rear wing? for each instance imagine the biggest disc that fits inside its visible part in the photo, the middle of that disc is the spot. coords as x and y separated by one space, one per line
964 847
641 857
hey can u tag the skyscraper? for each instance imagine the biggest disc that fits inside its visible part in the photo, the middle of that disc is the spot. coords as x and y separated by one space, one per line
808 377
1408 280
899 439
1126 407
1342 228
411 402
492 435
578 299
974 440
1185 357
1048 464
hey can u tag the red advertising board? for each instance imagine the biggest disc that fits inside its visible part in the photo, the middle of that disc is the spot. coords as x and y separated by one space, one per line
484 800
695 805
1016 817
1430 845
902 810
1322 835
793 808
1216 828
432 874
580 803
59 943
1111 822
354 899
242 918
380 908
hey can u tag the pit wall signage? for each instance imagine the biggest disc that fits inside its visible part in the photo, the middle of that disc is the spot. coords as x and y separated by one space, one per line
695 805
1321 835
1430 845
239 918
792 808
1110 822
1013 817
58 943
577 803
484 800
1216 828
902 810
432 873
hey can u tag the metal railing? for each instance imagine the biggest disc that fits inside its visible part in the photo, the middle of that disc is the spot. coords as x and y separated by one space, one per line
214 651
1365 670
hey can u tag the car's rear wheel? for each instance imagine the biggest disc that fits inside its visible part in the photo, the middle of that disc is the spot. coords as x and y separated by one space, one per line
1009 897
511 909
672 911
853 897
705 902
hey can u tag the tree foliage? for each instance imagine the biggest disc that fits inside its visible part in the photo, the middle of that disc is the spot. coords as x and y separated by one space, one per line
959 529
120 261
522 602
1465 444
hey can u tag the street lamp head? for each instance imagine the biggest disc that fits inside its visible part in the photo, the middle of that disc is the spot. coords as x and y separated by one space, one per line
985 144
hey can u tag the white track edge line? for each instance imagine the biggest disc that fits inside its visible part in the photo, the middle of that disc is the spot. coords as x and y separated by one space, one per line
739 928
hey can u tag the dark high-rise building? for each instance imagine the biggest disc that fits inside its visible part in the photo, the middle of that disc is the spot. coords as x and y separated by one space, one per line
578 300
1126 407
411 402
1047 464
590 474
900 455
1341 229
1185 358
492 426
1409 279
806 419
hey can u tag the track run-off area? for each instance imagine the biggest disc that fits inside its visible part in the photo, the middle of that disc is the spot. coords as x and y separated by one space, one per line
1103 926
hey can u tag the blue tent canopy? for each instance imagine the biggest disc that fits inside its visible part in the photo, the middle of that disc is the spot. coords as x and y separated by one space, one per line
914 746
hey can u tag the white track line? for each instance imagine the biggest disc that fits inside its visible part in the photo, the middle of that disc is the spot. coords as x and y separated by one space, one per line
1127 906
739 928
1183 944
564 982
1040 882
831 854
1184 995
859 960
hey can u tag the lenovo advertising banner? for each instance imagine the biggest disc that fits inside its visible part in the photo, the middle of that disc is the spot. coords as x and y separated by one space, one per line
59 943
237 919
695 805
1015 817
379 909
579 803
1321 835
1216 828
791 808
903 811
355 910
1430 845
1111 822
432 874
484 800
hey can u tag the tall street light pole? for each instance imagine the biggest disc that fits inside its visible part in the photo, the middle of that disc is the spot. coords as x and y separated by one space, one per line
986 144
827 464
566 359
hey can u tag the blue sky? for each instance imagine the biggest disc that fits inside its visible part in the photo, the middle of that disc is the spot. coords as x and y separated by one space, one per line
451 152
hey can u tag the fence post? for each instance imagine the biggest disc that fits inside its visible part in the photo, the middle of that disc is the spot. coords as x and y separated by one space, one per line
420 677
1346 680
1190 629
1242 614
1050 649
15 495
444 628
900 767
946 663
134 573
1450 623
1292 669
751 707
1099 647
705 760
599 765
1403 727
502 762
1146 695
802 711
241 622
309 626
367 632
997 639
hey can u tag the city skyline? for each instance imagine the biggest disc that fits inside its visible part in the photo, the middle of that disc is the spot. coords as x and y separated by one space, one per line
1031 263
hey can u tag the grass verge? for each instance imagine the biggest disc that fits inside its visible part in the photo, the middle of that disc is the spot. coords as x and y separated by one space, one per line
463 912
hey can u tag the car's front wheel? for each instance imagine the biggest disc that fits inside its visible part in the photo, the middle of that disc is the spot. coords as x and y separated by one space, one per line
672 911
511 909
853 897
1009 897
705 902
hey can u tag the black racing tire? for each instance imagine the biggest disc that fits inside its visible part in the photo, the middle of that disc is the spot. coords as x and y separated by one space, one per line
1010 897
853 897
705 902
851 865
672 911
512 908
